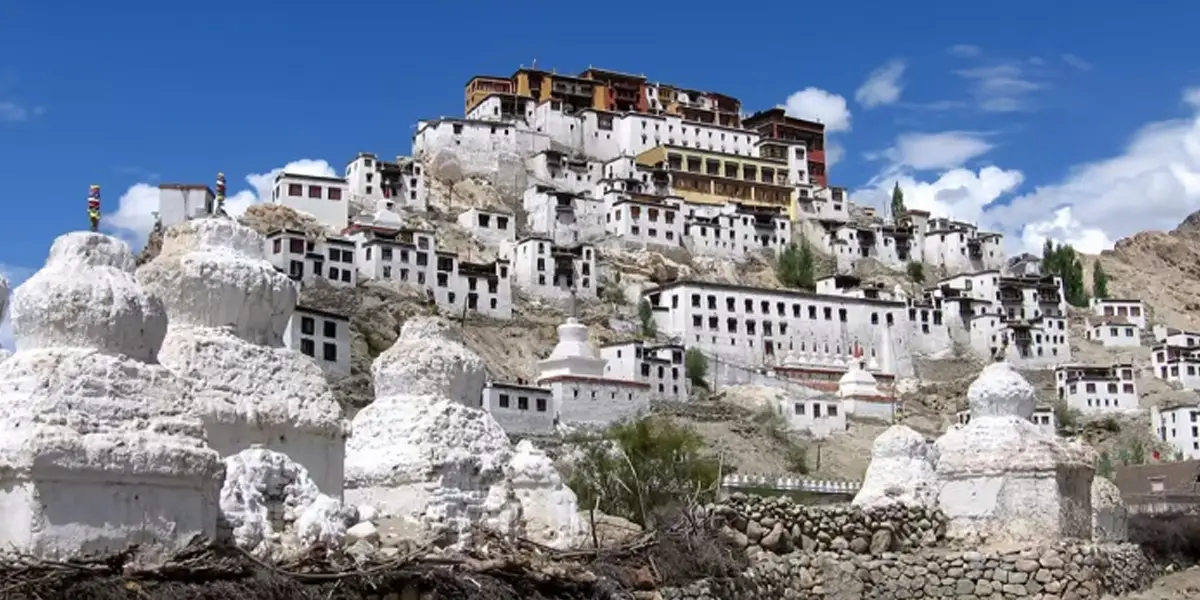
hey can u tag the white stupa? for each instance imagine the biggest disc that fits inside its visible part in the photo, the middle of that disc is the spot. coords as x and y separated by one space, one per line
229 308
98 449
572 355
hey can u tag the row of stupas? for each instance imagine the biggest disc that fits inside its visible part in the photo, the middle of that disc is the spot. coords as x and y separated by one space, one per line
158 404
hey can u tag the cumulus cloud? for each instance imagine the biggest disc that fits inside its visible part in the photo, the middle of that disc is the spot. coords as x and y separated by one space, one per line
815 104
134 217
882 85
834 152
960 193
1153 184
936 151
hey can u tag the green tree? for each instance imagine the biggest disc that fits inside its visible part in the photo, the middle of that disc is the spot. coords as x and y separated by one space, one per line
646 319
1099 281
638 466
695 366
1063 262
796 268
1137 452
898 209
916 271
1105 468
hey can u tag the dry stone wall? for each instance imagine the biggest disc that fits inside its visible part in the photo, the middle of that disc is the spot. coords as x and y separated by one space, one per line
1059 572
779 525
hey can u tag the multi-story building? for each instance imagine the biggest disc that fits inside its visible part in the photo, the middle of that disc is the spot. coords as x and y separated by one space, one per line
325 198
733 230
403 182
1176 337
757 326
1097 389
305 258
322 335
1179 426
388 250
493 227
647 220
1131 311
567 218
988 312
789 134
713 178
546 270
1180 364
179 202
660 366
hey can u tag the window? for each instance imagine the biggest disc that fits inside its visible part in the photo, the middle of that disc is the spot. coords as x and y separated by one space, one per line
541 405
522 403
296 246
276 246
330 351
334 193
307 325
307 347
314 191
295 189
330 328
503 400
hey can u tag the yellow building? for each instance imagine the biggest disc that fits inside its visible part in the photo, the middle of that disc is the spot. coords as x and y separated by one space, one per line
706 177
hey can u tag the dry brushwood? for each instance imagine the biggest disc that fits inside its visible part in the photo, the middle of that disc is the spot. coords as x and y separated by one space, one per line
495 569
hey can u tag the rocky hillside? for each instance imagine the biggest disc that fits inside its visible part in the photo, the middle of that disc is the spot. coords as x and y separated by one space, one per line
1161 268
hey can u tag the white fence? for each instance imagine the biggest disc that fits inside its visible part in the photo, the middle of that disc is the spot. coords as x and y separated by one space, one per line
790 484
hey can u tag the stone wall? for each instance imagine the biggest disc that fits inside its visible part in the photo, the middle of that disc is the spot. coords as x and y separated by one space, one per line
779 525
1061 572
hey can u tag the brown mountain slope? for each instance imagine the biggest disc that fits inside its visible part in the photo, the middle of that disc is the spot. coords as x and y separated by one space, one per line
1161 268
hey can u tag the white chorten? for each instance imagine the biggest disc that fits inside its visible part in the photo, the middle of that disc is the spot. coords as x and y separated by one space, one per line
858 383
1002 478
98 449
573 355
901 471
228 308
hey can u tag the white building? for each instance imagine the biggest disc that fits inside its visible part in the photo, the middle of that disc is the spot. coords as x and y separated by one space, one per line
403 182
565 217
957 246
1131 311
519 408
757 326
734 229
388 250
1112 332
988 312
1097 389
1180 364
479 148
660 366
493 227
645 220
1043 417
1179 426
547 270
576 377
853 287
179 202
322 335
1176 337
325 198
861 396
304 259
570 173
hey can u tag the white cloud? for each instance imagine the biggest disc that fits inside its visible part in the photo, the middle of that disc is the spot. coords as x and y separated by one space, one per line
1076 63
1153 184
959 193
882 85
15 276
964 50
936 151
815 104
834 152
1003 87
15 112
134 217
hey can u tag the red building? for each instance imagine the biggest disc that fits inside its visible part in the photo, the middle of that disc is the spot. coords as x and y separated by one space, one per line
774 124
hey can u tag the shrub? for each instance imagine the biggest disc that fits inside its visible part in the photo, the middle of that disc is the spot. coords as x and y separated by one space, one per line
646 319
916 271
695 366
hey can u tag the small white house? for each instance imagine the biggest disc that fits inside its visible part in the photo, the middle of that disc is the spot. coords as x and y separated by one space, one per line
660 366
1112 332
490 226
1131 311
1097 389
179 202
519 408
1179 426
322 335
582 393
1180 364
544 269
305 259
325 198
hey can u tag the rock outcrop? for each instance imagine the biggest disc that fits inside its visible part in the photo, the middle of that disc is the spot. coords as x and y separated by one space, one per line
902 470
425 452
99 448
1002 478
228 308
549 507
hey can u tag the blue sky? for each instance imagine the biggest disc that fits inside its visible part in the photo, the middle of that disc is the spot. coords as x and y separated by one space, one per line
1071 119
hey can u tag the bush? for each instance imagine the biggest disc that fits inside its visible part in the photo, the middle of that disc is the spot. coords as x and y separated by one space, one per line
695 366
916 271
1067 417
1167 537
646 319
640 466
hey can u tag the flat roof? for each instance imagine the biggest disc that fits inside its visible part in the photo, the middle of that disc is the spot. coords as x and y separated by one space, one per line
319 312
775 292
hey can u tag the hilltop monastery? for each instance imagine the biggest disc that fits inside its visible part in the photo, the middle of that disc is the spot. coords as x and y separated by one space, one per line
600 158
